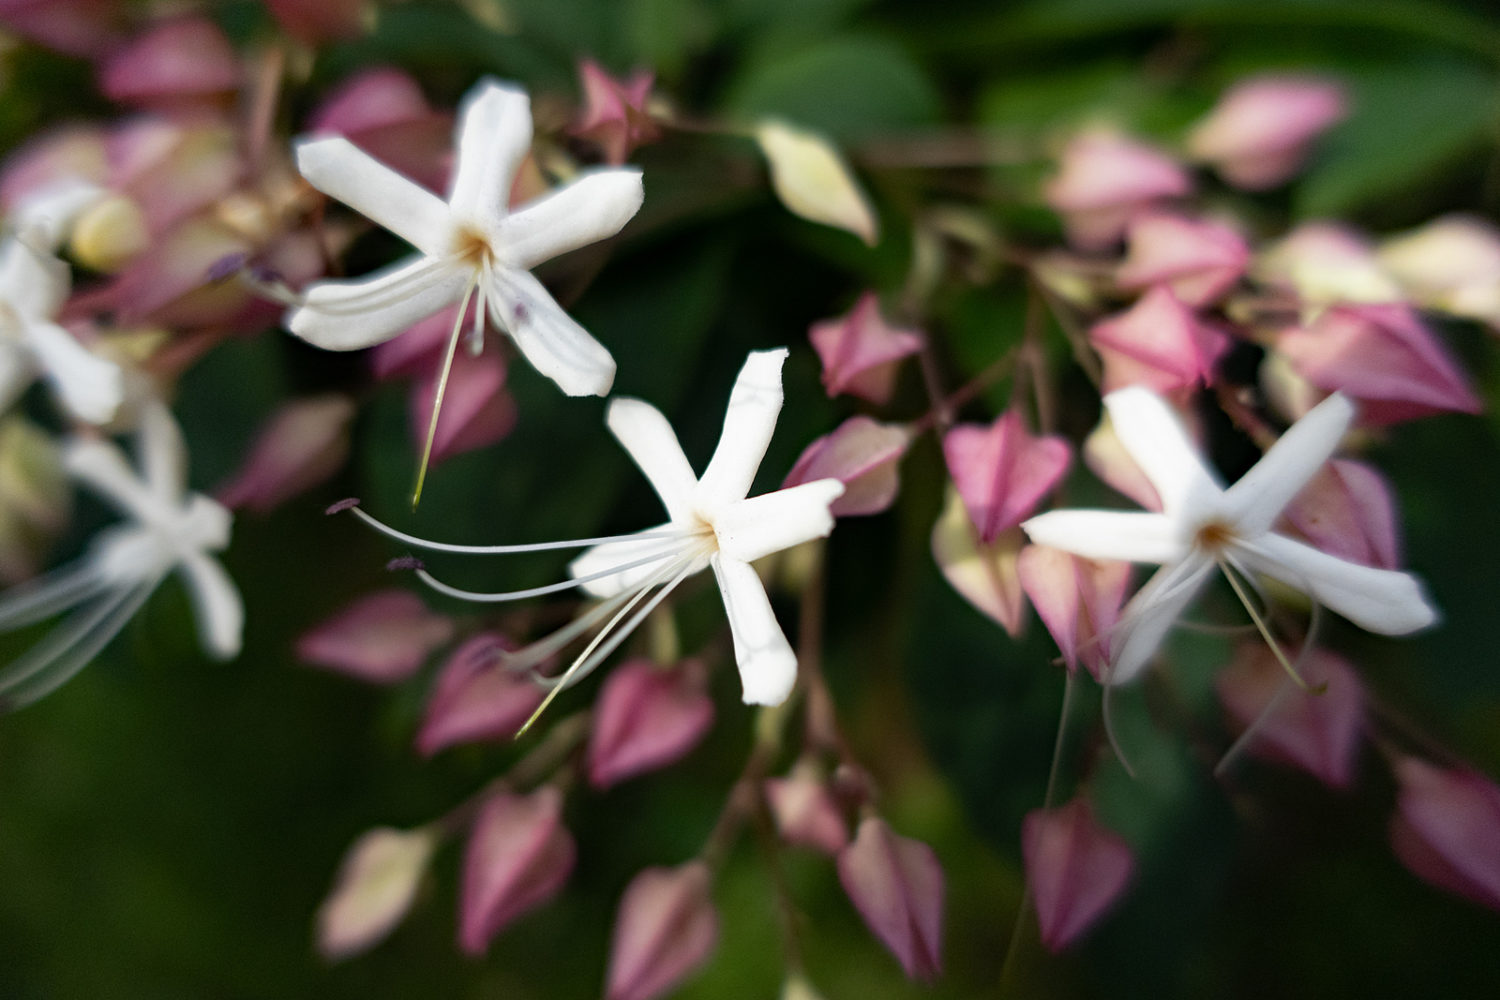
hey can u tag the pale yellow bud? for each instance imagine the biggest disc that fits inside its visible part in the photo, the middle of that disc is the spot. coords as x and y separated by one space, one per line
110 234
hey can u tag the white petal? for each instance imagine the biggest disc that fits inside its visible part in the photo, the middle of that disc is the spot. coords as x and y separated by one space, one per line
163 456
1380 600
342 170
46 216
754 404
33 284
1257 500
591 208
90 387
768 667
749 529
1151 613
1160 445
17 371
102 466
349 315
494 137
602 558
653 447
1134 536
555 345
220 611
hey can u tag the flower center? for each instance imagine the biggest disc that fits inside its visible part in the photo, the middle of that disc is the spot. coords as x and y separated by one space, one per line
1213 536
472 248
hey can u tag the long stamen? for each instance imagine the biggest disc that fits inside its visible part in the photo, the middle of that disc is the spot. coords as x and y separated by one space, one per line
551 588
496 550
69 647
1240 745
42 598
1265 632
530 655
1106 709
442 388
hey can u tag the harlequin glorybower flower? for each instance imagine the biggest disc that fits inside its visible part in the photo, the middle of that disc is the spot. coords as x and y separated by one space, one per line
1204 526
711 523
171 529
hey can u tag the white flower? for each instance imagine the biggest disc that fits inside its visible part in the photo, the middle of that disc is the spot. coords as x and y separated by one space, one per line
33 287
710 523
169 529
1204 527
472 243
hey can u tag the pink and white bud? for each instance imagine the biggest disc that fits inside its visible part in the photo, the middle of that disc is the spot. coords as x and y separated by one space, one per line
985 575
615 116
314 21
1318 733
1326 263
518 858
896 884
1444 829
1077 870
1160 343
862 454
476 699
647 716
1259 133
1452 264
75 153
806 811
1384 357
181 63
477 409
860 351
1348 511
664 932
304 443
1105 455
1003 472
375 887
1077 599
382 638
1105 180
1198 259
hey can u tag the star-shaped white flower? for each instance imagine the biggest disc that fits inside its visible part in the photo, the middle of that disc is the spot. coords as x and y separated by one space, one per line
169 529
1203 526
33 287
472 244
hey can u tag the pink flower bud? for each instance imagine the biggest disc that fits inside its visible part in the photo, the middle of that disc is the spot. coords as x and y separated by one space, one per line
1317 732
1105 180
805 811
1002 471
85 28
615 115
1444 829
897 885
1199 260
860 351
1327 263
1077 870
646 717
863 455
1077 599
984 575
665 930
314 21
477 410
476 699
1258 134
1384 357
519 856
381 638
182 61
1347 511
376 885
304 443
1159 343
1105 455
1452 264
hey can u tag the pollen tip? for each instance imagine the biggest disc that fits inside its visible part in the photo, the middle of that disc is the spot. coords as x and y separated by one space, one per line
405 562
342 505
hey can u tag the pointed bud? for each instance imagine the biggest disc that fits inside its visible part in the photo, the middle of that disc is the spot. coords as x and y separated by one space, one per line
805 811
1444 829
176 62
860 351
1077 599
665 930
304 443
1159 343
1258 134
1077 870
1347 510
1325 263
863 455
1452 264
382 638
1105 455
476 699
1002 471
897 886
1382 356
1104 180
375 887
519 856
1198 259
984 575
647 717
615 116
812 180
477 410
1318 733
